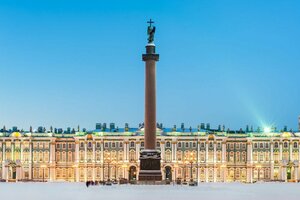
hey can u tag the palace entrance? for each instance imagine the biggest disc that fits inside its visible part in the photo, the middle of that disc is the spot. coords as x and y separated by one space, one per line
12 172
132 173
289 173
168 173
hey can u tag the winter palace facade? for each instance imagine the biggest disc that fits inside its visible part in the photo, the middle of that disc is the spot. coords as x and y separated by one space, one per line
201 154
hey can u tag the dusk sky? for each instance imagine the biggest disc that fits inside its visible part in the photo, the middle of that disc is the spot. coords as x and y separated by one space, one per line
65 63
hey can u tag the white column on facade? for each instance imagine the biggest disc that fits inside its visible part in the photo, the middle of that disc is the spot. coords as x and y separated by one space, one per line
52 160
280 150
21 149
206 152
12 149
272 159
76 166
175 151
3 160
249 162
138 149
102 152
30 160
223 152
85 152
215 161
94 152
291 150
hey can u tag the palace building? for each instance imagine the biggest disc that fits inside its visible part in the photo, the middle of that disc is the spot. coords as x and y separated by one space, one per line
201 154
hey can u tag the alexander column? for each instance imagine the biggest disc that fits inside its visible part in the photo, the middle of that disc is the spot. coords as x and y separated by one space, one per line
150 157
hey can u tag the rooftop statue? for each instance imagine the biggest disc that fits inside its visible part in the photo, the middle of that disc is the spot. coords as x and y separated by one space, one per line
150 31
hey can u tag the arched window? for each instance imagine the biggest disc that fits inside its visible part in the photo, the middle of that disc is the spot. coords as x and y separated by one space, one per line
132 155
168 156
131 144
295 145
168 144
276 145
285 145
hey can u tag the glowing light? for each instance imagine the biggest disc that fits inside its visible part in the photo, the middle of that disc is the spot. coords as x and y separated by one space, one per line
267 129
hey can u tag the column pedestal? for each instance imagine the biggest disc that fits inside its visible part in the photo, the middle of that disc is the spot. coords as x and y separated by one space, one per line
150 166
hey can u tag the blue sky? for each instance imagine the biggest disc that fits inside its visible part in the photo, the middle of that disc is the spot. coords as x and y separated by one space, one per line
65 63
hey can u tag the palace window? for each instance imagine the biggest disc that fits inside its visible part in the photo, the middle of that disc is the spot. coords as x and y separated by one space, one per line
194 144
202 156
70 146
295 145
81 156
276 145
186 144
211 145
219 156
40 156
202 145
285 145
179 144
121 144
89 145
237 146
267 156
106 144
168 156
261 156
98 144
168 144
295 156
142 144
255 145
255 157
179 156
70 159
46 156
158 144
98 155
57 156
64 145
132 144
120 155
261 145
243 156
132 155
81 144
57 146
219 145
113 145
231 146
267 145
238 156
64 156
244 146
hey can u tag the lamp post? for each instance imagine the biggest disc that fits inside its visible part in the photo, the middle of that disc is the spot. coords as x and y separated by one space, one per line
43 167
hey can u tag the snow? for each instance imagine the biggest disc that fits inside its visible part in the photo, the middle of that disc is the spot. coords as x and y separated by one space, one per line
205 191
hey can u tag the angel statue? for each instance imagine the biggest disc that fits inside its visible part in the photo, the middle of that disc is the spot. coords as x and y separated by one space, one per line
151 31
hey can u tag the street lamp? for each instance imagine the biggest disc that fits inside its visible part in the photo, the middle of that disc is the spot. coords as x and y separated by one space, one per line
43 167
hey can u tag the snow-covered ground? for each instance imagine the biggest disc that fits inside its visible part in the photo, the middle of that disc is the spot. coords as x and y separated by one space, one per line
205 191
